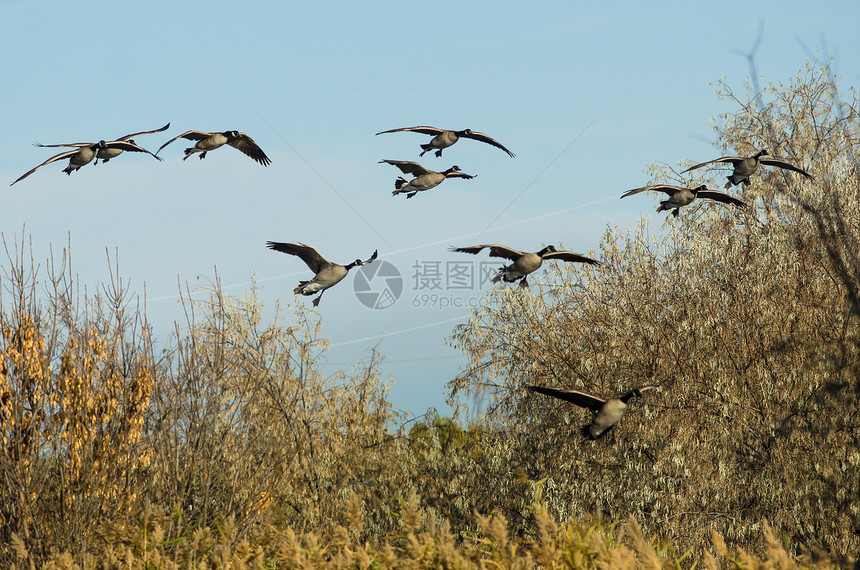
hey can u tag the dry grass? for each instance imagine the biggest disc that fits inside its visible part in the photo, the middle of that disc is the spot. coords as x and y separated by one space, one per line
142 544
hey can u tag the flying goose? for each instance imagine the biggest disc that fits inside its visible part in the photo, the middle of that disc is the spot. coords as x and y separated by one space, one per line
524 263
744 167
607 413
112 152
82 156
211 141
442 138
424 179
680 197
328 274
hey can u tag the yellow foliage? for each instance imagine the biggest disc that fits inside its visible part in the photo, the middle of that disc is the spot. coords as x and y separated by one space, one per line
68 435
140 544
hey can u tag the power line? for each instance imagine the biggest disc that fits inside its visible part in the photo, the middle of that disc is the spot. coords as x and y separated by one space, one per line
399 360
394 333
324 179
541 173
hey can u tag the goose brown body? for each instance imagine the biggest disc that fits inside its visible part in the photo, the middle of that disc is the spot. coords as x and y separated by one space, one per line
424 179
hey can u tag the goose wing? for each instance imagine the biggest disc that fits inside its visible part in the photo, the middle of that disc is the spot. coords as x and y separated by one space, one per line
732 159
121 139
423 130
570 256
314 260
141 133
458 174
407 167
78 145
190 135
55 158
665 188
247 145
721 197
496 250
485 139
130 147
581 399
778 162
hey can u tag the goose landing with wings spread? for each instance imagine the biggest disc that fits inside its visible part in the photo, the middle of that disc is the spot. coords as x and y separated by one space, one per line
607 413
745 166
83 155
424 179
524 263
442 138
680 197
211 141
327 274
112 151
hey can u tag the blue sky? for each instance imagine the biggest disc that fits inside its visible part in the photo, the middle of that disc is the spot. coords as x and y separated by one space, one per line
586 94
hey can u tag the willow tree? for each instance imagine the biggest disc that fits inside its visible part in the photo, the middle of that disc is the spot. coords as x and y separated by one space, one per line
748 318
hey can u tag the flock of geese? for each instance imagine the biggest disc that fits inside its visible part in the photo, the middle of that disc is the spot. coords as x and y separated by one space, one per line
606 413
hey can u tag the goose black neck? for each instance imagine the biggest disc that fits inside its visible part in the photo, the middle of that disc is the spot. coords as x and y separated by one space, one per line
631 394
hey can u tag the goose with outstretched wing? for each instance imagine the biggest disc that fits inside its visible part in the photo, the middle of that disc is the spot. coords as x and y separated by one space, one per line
211 141
680 197
109 152
424 179
745 166
326 273
524 263
443 138
607 413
